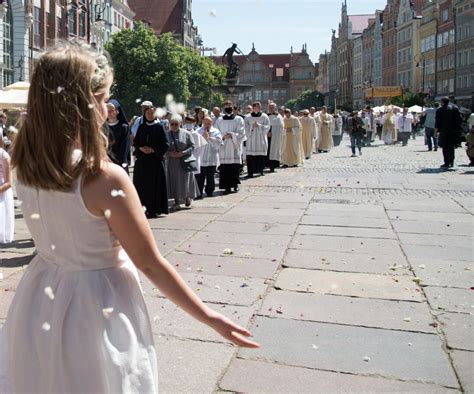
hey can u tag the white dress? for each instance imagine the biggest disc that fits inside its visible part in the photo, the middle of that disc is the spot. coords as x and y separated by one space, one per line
95 335
7 210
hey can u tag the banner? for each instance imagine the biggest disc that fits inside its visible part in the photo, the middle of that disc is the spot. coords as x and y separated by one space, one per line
383 91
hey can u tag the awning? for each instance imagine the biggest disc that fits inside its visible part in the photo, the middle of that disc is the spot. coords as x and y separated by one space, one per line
14 96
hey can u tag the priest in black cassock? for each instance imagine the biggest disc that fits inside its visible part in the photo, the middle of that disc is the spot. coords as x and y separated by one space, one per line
149 176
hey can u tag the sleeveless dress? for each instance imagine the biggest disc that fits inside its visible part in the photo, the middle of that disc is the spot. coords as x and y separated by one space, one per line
78 322
7 210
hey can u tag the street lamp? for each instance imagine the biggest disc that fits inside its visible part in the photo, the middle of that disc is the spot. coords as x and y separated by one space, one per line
421 62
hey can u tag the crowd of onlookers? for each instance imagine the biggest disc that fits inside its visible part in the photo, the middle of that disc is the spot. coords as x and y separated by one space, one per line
176 157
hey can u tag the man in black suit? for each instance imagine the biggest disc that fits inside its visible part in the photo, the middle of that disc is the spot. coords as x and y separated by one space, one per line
448 128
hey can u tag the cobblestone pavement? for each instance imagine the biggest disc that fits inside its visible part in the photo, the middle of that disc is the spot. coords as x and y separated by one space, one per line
355 275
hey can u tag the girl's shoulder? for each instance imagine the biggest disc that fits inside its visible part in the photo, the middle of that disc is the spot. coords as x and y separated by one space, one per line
4 154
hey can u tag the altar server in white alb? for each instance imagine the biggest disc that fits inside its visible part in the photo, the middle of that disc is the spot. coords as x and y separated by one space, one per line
275 137
230 154
257 126
308 133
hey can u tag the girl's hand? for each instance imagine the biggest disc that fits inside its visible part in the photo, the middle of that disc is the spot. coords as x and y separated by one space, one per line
231 331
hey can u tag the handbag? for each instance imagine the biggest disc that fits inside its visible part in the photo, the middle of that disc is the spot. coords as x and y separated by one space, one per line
188 163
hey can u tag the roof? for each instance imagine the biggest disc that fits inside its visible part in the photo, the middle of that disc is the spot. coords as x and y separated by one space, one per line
360 22
163 15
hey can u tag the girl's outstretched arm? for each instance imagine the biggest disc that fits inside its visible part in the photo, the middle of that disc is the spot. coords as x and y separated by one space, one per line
128 222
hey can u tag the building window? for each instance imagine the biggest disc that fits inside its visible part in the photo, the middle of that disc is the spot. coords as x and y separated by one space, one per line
58 27
82 24
7 48
37 27
445 15
73 21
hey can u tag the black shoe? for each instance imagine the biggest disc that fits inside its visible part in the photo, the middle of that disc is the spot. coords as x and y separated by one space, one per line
284 166
227 191
451 165
262 174
199 197
248 176
272 170
151 215
430 149
444 166
435 149
236 189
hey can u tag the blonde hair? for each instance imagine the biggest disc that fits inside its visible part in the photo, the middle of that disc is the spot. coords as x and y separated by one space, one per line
63 115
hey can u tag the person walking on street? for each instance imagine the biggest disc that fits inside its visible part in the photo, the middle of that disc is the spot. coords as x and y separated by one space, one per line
429 123
357 132
448 128
405 125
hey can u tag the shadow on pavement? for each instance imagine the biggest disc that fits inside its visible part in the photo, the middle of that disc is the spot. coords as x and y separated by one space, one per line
14 262
434 170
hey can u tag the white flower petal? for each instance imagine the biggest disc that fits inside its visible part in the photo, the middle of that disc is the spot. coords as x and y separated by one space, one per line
46 326
49 292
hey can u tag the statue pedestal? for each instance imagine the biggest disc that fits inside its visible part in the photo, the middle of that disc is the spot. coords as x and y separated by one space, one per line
231 89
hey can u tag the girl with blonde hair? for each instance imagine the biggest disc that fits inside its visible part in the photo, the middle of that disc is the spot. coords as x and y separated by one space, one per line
78 321
7 210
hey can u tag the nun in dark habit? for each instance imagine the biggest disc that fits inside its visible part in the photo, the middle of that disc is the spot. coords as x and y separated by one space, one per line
118 134
149 176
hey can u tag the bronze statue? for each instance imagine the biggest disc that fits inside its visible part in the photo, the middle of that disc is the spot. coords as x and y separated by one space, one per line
232 67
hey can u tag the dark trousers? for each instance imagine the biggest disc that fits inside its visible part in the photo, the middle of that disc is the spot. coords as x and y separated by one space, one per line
255 164
404 137
448 144
356 140
431 138
206 176
229 176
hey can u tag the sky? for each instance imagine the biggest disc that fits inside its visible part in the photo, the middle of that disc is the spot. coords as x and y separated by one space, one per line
274 25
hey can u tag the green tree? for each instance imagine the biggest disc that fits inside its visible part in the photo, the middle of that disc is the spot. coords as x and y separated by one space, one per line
408 99
150 67
306 100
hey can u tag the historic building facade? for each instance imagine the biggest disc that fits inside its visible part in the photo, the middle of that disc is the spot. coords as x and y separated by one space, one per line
389 43
426 60
173 16
464 70
357 73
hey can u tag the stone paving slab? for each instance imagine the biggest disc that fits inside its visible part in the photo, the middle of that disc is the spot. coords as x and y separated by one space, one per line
425 227
167 240
283 197
345 261
266 211
432 252
363 312
395 354
178 223
218 249
270 204
357 210
346 221
247 218
422 205
248 376
387 287
227 265
444 273
437 240
449 299
357 232
186 366
169 320
374 247
246 239
218 289
464 363
459 330
431 216
252 228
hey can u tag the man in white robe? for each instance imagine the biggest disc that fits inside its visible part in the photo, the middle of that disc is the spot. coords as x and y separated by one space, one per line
257 125
275 137
324 121
308 130
209 156
230 154
292 152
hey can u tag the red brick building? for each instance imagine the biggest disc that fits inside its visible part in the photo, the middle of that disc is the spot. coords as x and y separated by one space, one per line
389 43
173 16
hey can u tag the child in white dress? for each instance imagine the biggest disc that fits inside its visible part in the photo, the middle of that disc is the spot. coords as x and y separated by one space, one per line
7 211
78 322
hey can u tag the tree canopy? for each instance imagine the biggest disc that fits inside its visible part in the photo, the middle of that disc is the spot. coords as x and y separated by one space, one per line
148 67
307 99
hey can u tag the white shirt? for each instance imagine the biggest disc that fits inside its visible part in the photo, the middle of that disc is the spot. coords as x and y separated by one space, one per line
210 153
405 123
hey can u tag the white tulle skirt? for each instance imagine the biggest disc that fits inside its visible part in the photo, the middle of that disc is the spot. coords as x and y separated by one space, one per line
7 216
93 337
